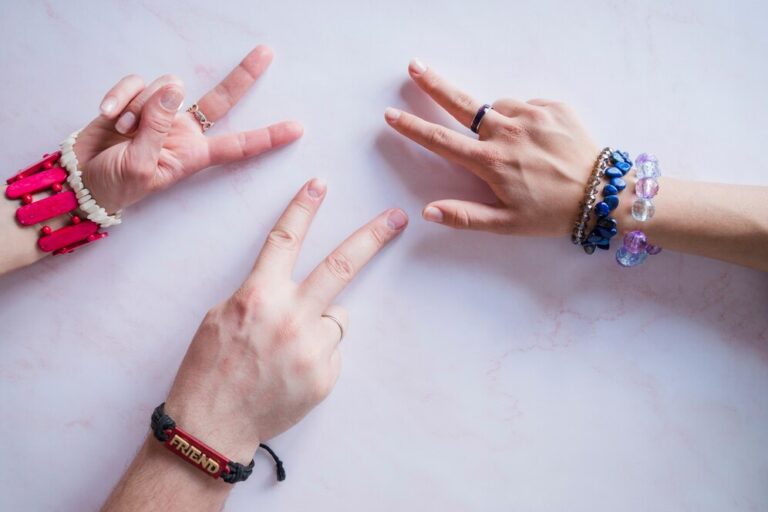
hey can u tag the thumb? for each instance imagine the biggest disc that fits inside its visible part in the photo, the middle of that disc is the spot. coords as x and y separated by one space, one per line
469 215
156 120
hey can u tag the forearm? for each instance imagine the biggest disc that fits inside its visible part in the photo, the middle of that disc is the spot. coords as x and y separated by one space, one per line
725 222
19 244
158 480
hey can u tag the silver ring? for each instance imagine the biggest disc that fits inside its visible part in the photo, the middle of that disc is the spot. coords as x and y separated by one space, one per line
201 118
338 322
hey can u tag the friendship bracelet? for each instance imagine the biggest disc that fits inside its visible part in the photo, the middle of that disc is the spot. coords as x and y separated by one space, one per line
48 175
578 236
87 204
636 247
605 225
202 456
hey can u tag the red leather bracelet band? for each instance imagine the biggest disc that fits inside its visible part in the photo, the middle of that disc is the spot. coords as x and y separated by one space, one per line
42 176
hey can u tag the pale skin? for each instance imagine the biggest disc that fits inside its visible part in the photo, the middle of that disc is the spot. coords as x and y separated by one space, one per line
536 157
266 356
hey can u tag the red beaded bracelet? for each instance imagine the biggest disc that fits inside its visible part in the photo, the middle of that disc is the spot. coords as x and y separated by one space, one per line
39 177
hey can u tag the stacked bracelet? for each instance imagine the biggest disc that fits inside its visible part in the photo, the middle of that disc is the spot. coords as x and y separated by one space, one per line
579 234
48 175
636 247
605 225
87 204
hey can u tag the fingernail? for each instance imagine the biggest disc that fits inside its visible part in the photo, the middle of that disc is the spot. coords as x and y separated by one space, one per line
397 219
316 188
391 114
171 99
417 67
108 105
125 123
433 214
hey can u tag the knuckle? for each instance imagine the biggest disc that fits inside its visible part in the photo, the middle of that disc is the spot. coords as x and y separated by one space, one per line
170 78
438 136
247 301
375 233
283 238
462 219
489 157
340 266
158 122
512 131
463 100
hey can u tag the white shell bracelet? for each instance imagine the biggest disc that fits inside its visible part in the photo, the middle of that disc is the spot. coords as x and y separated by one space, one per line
88 204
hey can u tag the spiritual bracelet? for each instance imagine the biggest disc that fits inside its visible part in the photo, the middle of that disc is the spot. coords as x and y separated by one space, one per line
636 247
202 456
579 234
605 225
48 175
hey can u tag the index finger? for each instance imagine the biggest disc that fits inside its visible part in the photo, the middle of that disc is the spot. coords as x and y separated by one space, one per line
219 100
329 278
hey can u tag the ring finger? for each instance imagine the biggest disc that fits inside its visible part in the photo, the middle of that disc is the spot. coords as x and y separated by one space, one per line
335 322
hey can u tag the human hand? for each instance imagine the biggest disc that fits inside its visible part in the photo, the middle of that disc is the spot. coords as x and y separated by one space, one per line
535 156
141 144
265 357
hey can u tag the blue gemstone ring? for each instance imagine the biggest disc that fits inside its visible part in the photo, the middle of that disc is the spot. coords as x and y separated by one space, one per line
475 126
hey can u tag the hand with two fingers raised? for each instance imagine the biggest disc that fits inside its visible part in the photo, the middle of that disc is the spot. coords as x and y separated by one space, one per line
270 353
535 156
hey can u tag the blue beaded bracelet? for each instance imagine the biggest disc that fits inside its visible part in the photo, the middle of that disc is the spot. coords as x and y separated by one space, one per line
606 227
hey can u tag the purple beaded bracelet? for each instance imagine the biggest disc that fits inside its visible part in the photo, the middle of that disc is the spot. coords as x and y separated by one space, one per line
636 247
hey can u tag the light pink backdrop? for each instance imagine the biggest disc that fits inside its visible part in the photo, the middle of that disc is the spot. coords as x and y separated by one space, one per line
481 373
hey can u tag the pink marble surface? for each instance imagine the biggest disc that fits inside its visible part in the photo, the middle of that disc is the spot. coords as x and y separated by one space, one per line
481 373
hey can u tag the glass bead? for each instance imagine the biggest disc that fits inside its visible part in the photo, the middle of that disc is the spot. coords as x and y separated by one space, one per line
642 209
652 249
628 259
647 166
635 242
646 188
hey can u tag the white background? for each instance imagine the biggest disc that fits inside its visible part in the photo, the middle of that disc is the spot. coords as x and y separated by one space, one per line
480 372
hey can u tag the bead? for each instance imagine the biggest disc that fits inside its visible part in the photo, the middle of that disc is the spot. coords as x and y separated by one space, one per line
607 222
56 187
26 198
611 201
628 259
589 248
646 188
642 209
46 230
652 249
626 156
613 172
604 245
610 190
624 167
48 165
619 183
616 156
606 232
635 241
76 220
602 209
647 166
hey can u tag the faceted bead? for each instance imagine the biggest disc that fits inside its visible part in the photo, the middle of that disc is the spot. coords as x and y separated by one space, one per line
619 183
602 209
642 209
652 249
628 259
646 188
647 166
635 241
610 190
623 166
613 172
611 201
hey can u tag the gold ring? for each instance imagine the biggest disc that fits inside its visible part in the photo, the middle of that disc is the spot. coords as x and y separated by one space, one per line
205 124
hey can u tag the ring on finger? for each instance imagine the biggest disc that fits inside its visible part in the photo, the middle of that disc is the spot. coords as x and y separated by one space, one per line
478 120
201 118
337 322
